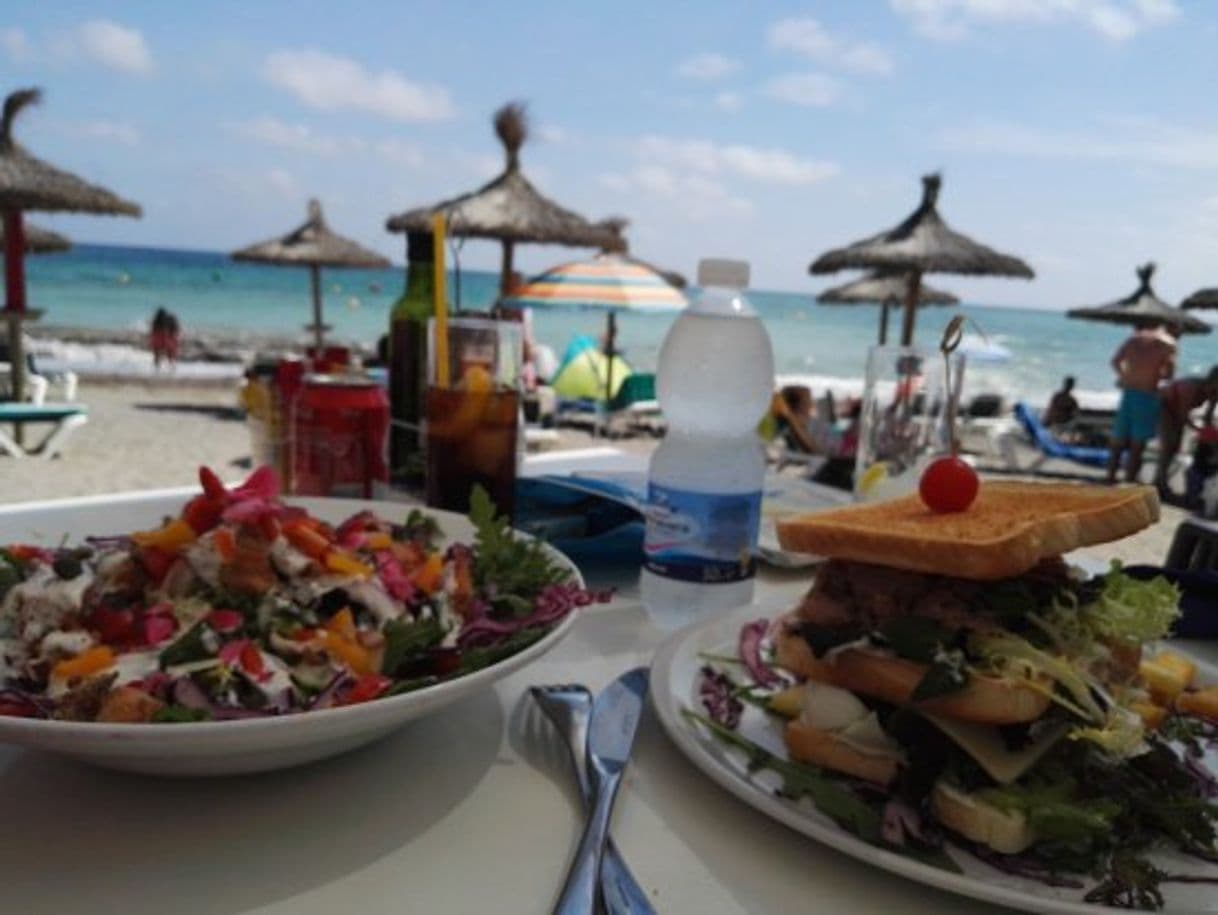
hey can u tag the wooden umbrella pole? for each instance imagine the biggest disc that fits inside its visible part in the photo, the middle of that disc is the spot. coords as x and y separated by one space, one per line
14 306
505 273
318 334
912 288
883 322
610 341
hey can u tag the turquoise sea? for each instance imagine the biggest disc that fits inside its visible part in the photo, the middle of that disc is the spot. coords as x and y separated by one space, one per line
120 287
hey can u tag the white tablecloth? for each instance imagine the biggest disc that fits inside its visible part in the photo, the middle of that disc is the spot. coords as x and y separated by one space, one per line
472 810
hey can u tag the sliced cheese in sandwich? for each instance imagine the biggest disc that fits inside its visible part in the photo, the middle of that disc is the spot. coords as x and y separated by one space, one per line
986 746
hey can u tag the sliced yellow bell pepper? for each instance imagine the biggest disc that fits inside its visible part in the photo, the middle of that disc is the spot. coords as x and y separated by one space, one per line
170 537
430 574
346 564
350 652
378 540
87 662
342 624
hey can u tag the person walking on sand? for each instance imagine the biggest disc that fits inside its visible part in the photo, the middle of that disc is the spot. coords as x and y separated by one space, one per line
163 337
1145 359
1177 400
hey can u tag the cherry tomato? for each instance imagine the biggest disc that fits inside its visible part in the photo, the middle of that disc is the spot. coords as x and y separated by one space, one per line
948 485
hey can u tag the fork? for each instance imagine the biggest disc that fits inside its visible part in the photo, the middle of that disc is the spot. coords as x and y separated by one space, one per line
568 706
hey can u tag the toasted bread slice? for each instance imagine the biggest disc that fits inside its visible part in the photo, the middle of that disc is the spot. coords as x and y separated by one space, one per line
808 744
1007 530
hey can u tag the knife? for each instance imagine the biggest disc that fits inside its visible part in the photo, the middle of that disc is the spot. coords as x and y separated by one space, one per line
615 719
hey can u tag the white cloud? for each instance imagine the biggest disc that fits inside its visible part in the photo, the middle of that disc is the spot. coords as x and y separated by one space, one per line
1138 141
708 66
771 165
15 44
811 90
729 101
113 45
105 131
297 137
806 36
698 194
1116 20
331 83
399 152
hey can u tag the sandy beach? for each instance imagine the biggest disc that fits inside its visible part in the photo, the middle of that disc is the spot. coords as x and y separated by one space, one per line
151 434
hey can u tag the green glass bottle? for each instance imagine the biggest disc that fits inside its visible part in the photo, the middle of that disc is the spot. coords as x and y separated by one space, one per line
408 360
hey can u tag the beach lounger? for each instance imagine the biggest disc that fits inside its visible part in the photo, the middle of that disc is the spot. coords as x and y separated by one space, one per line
1048 446
64 418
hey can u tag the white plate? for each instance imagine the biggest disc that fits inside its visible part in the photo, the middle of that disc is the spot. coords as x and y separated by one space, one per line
674 676
249 745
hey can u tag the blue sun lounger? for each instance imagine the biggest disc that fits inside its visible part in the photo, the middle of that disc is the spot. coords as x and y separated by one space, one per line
65 418
1051 447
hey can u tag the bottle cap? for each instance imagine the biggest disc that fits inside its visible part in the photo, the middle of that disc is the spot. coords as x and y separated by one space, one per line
728 274
420 246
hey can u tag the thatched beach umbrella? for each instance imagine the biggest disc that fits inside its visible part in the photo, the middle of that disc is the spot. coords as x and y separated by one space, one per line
41 241
313 245
923 243
1202 298
508 209
28 183
1142 308
887 289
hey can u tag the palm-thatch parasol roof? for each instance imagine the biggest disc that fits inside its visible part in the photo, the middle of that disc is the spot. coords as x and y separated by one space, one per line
923 243
621 247
28 183
886 289
41 241
509 208
314 245
1142 308
1202 298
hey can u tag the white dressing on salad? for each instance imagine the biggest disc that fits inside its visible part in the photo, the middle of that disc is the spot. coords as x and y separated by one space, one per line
205 559
288 560
65 643
44 600
131 666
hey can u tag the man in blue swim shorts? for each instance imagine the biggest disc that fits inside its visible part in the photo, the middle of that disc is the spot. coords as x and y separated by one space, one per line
1142 361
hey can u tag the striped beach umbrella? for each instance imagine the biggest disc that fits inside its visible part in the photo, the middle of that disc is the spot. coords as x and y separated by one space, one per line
609 282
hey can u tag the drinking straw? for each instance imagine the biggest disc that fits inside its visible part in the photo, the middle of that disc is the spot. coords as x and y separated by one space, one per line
441 301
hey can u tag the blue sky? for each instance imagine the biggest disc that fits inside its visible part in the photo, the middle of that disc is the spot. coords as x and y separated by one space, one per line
1079 134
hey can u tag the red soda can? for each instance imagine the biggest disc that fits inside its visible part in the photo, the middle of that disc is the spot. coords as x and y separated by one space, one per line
340 434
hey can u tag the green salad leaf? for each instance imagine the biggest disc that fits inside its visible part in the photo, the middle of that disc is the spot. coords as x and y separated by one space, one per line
1132 610
10 573
515 568
406 640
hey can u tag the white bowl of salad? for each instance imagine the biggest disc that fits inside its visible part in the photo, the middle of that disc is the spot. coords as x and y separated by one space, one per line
239 632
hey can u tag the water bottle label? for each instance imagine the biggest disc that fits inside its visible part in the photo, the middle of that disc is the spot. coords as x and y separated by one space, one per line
701 537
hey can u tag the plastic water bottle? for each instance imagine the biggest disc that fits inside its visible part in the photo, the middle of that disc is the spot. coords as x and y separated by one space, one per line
715 380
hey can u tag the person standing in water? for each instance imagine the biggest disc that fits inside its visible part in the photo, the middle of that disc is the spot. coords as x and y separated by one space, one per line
1141 363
